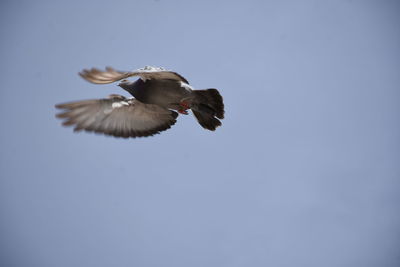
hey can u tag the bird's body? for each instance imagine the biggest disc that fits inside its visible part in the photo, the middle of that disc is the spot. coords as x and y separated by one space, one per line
157 93
165 93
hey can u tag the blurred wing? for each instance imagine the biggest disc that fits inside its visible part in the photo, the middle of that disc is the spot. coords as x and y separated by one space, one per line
110 75
117 116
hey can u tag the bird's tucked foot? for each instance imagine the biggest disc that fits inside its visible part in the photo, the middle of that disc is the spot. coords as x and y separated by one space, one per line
183 111
184 106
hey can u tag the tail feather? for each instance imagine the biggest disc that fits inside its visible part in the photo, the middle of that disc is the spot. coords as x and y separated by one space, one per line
206 121
213 99
209 108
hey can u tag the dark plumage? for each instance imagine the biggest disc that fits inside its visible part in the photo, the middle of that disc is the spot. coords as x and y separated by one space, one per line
157 94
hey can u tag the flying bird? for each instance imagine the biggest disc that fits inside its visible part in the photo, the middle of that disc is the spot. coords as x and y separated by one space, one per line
157 95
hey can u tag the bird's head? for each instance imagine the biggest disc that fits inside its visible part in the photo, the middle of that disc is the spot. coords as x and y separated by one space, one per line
125 84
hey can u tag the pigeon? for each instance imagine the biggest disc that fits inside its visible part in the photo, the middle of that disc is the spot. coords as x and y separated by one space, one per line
159 95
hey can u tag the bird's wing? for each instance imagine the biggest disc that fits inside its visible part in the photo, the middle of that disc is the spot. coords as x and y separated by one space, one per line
111 75
117 116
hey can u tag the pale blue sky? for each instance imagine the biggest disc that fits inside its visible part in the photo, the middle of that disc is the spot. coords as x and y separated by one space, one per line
304 171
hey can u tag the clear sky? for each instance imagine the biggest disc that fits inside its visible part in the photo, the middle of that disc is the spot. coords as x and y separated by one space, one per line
304 171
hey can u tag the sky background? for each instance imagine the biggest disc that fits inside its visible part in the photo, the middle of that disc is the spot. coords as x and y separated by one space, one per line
303 172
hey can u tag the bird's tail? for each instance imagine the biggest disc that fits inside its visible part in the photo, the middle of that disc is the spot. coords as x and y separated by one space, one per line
208 108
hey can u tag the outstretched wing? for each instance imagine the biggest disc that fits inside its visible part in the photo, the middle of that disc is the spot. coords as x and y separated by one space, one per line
111 75
117 116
